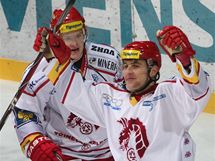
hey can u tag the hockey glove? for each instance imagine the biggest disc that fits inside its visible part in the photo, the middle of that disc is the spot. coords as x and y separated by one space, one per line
45 38
58 48
176 44
43 149
40 43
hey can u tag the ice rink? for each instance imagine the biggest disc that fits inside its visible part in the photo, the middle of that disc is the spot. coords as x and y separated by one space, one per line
203 131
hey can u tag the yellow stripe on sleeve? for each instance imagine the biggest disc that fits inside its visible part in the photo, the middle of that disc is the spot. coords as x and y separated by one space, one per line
192 77
56 71
210 108
28 140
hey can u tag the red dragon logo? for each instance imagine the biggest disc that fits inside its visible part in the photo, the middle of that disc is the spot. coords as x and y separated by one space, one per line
136 127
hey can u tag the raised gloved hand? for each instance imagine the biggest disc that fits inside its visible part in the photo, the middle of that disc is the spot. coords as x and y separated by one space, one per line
43 149
46 41
58 48
176 44
40 43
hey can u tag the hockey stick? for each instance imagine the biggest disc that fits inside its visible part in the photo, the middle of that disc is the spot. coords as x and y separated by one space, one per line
33 68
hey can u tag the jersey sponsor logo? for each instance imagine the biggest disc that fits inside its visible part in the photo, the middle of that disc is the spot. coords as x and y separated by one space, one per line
85 146
133 138
103 63
150 105
112 102
84 127
107 64
102 50
34 82
35 143
60 134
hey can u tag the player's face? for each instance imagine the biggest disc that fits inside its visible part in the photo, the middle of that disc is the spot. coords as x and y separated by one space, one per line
135 73
75 41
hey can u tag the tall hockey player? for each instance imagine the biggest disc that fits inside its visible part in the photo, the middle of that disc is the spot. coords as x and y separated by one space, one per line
148 121
48 130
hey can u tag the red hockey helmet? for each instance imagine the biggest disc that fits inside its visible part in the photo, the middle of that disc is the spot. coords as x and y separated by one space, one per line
73 21
142 50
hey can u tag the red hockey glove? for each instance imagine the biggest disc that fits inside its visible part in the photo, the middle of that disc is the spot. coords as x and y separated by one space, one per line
43 149
40 43
176 44
59 48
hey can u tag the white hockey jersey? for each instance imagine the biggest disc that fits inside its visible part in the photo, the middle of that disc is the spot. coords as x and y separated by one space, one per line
76 137
155 128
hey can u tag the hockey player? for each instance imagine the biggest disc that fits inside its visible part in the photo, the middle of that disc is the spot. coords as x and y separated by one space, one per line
148 121
48 131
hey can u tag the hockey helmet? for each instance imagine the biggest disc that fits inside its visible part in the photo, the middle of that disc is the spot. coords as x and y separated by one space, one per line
73 21
146 50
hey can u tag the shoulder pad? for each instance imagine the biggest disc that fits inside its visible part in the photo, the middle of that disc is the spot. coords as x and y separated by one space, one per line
109 51
103 57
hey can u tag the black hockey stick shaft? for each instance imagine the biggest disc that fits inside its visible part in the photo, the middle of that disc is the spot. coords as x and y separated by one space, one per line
33 68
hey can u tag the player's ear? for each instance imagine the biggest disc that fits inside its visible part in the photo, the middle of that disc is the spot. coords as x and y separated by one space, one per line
154 70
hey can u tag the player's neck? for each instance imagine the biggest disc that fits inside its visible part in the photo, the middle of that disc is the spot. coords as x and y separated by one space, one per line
150 89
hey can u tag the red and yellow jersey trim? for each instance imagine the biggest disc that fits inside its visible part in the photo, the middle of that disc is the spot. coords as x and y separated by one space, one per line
28 140
193 76
56 71
133 101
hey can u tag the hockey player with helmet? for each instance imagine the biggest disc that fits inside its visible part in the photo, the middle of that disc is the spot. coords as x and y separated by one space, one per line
48 131
148 121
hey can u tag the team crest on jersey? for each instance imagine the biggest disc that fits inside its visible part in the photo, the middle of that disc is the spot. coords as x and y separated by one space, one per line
85 127
24 117
112 102
133 138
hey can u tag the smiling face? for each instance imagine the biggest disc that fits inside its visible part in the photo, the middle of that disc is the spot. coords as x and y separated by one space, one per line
135 73
75 41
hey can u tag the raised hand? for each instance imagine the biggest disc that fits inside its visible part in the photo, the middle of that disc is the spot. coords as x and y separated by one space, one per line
58 48
48 42
40 43
176 44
